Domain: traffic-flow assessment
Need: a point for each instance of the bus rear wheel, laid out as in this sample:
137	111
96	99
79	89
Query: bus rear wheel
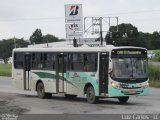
41	91
123	99
91	98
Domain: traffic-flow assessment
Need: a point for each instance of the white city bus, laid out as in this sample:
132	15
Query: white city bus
108	71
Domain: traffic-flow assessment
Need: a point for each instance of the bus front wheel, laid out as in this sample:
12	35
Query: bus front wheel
91	98
41	91
123	99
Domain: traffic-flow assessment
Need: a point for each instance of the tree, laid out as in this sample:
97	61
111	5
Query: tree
50	38
8	45
127	35
156	40
36	37
6	49
147	39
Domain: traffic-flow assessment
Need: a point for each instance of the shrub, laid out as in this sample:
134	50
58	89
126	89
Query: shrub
154	75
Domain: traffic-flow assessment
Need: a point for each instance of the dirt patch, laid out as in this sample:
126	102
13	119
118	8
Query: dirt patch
2	103
7	105
7	109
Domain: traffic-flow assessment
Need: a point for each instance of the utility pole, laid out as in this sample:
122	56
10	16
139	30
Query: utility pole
14	42
101	34
47	42
117	23
97	24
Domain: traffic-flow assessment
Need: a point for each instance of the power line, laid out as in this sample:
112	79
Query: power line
58	18
31	19
132	12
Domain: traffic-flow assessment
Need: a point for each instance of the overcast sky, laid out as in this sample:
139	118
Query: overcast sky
20	18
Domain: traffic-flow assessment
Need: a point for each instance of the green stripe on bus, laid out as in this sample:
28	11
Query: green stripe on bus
45	75
52	76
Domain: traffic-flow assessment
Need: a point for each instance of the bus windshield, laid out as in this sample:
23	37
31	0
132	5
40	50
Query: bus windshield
129	68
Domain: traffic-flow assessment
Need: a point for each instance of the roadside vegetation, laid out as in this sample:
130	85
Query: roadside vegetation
154	75
157	55
5	69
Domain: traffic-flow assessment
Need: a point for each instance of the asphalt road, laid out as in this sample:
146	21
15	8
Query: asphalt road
19	102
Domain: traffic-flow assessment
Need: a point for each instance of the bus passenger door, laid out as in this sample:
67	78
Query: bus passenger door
103	72
26	69
60	73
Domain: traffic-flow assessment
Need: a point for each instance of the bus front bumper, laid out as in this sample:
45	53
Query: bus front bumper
116	92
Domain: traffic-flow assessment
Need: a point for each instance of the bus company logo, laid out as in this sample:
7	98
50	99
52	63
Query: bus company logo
74	10
76	74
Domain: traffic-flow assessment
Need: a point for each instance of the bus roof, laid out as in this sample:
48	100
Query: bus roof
75	49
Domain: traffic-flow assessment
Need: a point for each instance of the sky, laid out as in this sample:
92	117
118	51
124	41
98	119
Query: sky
20	18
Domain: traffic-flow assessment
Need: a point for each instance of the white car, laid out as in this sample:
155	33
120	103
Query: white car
10	60
150	55
1	61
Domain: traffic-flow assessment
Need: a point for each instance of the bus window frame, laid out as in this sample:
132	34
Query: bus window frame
70	61
14	61
43	60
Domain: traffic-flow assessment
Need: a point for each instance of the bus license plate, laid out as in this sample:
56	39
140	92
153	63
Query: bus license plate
132	91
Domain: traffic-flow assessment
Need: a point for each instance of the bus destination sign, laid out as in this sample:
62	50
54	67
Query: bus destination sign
129	52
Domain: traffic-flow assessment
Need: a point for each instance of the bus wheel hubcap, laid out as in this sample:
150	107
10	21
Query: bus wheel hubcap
40	90
90	94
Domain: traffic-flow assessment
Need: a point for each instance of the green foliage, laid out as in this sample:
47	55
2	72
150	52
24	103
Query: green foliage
50	38
124	29
8	45
146	38
154	75
156	40
155	83
128	35
36	37
5	69
157	55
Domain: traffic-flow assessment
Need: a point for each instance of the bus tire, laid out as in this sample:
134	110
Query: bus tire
41	91
90	93
123	99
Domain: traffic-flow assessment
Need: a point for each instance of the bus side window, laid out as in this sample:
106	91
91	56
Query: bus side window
85	62
33	59
76	61
53	61
37	62
49	61
90	62
70	65
18	60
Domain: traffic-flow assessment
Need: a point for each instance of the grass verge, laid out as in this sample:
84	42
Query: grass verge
154	84
154	75
5	69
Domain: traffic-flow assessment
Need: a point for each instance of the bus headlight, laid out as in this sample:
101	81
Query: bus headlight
115	85
145	86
